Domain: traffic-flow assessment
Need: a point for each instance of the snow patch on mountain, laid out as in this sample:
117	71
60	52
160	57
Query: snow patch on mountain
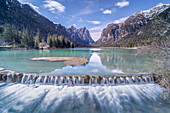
154	11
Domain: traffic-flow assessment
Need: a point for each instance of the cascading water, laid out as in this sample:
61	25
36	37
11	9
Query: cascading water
21	98
96	94
80	80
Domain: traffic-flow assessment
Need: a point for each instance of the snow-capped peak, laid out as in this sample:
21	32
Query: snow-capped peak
72	27
154	11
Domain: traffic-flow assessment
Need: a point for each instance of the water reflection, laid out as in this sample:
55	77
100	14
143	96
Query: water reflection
127	61
101	61
98	65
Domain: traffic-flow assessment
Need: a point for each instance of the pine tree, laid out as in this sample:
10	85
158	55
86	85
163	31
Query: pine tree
53	41
31	41
67	42
37	40
49	40
8	33
38	36
61	40
25	38
72	45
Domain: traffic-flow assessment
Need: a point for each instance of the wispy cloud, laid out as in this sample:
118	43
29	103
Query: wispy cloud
98	28
120	20
54	6
94	22
122	4
89	9
107	12
35	8
80	20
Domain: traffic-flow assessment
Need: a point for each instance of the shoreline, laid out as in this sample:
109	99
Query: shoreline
140	47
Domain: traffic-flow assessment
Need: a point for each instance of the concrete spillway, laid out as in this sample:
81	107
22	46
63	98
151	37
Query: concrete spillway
75	80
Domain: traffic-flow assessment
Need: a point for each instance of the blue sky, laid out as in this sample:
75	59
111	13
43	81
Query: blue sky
93	14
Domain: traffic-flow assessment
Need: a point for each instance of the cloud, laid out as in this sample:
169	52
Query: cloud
98	28
120	20
94	22
35	8
122	4
74	25
101	9
54	6
90	8
107	12
80	20
95	35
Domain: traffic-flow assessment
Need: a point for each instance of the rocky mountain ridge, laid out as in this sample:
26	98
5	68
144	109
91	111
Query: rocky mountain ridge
24	16
134	30
81	33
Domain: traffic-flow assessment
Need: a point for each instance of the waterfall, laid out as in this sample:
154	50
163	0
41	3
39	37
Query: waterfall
38	81
90	81
80	80
122	80
129	80
45	80
118	80
23	79
116	33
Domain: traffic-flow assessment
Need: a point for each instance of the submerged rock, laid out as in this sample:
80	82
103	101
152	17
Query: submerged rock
67	60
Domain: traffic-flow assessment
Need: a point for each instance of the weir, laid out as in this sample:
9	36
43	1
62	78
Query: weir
9	77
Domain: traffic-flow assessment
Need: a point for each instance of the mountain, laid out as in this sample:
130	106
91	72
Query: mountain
24	16
139	29
81	35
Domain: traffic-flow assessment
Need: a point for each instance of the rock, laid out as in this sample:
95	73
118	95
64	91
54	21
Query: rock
67	60
19	77
86	79
81	35
99	78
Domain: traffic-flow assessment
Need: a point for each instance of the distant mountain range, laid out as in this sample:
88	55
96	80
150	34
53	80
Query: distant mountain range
23	16
139	29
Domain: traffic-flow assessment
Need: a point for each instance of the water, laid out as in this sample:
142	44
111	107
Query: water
18	98
101	61
54	94
83	80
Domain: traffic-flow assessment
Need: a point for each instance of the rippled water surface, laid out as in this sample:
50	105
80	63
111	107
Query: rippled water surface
101	61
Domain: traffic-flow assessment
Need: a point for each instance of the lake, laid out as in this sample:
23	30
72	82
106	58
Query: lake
48	98
105	61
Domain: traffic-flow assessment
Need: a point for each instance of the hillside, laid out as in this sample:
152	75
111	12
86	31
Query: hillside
23	16
139	29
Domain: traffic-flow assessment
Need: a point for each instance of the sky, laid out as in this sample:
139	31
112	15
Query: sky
92	14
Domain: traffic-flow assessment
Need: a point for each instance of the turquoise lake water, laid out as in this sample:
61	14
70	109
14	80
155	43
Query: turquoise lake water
37	98
110	61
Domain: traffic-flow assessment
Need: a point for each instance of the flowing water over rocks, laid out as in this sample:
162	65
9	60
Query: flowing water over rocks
19	98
